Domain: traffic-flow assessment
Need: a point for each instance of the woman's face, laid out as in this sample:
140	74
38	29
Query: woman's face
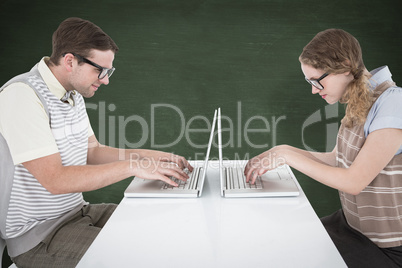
334	84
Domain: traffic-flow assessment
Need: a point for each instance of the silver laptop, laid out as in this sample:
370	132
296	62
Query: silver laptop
191	188
275	183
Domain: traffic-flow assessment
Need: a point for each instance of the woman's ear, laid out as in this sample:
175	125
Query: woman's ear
347	73
348	63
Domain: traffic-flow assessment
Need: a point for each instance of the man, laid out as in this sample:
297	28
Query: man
56	155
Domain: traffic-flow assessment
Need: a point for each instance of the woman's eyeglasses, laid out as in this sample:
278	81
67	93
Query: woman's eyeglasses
316	82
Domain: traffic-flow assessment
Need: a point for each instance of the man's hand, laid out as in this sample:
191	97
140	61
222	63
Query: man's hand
159	156
150	168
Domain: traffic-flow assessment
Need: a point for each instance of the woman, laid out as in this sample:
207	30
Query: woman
366	164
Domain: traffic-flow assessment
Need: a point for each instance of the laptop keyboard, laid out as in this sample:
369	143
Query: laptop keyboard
190	184
235	179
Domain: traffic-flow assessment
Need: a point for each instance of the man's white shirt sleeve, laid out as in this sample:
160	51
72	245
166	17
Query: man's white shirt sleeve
24	124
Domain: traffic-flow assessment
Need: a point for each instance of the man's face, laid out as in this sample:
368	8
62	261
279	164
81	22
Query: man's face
84	78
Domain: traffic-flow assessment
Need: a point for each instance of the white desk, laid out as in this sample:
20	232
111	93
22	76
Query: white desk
212	231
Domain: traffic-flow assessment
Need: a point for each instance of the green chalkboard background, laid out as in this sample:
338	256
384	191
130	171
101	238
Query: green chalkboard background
179	60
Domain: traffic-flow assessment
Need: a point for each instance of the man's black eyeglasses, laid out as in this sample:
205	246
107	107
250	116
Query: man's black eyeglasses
316	82
103	71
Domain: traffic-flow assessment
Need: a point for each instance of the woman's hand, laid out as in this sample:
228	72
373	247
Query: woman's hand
264	162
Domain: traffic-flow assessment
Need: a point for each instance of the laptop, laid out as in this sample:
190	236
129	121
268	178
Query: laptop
279	182
191	188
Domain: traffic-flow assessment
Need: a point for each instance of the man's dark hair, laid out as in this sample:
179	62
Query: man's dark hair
79	36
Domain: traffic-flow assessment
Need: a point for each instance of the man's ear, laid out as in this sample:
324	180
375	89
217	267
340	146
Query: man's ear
67	62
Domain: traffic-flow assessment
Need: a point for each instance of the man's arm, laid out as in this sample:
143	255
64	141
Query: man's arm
101	154
104	168
59	179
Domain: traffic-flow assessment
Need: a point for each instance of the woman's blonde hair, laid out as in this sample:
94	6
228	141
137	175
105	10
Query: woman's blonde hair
336	51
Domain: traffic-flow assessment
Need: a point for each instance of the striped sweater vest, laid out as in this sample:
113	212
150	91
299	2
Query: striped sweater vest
28	203
377	210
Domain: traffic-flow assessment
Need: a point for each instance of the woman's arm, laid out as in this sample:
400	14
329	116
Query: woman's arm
324	158
377	151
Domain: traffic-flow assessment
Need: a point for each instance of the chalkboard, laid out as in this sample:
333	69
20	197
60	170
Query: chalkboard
180	60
